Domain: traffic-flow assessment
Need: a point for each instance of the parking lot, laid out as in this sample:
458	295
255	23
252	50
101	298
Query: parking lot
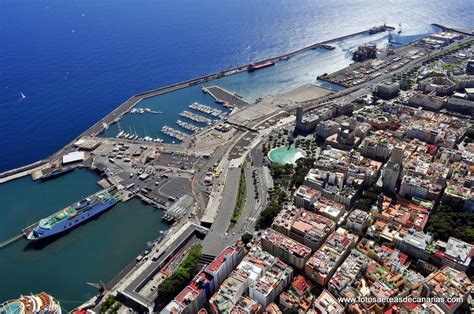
176	161
161	181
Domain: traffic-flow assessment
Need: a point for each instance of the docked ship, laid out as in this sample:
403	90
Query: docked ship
377	29
257	66
323	46
73	215
56	173
37	303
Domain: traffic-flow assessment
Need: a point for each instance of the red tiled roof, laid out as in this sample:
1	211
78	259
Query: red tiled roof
219	260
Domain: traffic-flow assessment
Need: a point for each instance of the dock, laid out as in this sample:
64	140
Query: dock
24	233
188	126
195	117
11	240
222	96
206	109
171	132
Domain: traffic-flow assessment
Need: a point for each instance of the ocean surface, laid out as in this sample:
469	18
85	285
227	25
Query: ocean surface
94	251
77	60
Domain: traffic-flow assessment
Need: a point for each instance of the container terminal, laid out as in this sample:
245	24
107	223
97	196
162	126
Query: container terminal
195	180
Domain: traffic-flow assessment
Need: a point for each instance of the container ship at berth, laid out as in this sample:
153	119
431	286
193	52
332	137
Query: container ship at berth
257	66
73	215
38	303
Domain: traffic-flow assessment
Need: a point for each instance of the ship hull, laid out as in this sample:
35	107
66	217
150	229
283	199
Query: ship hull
259	66
39	233
56	174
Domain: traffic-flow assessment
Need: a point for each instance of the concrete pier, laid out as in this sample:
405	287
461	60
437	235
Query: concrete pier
220	95
24	233
11	240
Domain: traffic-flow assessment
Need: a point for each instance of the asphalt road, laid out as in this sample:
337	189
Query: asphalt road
216	240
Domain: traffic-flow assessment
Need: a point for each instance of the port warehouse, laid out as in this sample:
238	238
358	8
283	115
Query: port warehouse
132	292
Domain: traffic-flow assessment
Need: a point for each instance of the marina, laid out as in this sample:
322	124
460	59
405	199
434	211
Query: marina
143	110
131	136
195	117
173	133
188	126
206	109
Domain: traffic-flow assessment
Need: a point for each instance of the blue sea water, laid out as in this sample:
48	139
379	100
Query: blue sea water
94	251
76	60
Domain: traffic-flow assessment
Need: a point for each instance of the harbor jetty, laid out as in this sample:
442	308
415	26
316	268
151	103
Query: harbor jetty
222	96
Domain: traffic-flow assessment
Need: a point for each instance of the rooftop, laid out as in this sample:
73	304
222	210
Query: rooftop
405	212
327	303
216	264
286	243
448	283
459	251
329	254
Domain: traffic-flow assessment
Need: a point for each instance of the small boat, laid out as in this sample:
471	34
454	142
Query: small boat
22	95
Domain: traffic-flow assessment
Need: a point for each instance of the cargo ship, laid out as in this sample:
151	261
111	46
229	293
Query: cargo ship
37	303
73	215
257	66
